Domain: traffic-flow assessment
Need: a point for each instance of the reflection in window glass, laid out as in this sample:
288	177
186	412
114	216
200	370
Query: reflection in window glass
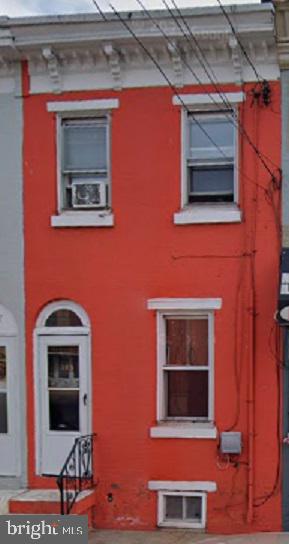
211	133
63	367
3	367
63	318
63	387
187	342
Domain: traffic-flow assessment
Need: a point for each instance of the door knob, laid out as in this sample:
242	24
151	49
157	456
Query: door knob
84	398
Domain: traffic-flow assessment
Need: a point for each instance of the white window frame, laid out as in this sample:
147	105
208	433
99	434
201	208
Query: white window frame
80	109
206	212
175	427
104	120
180	523
162	368
205	159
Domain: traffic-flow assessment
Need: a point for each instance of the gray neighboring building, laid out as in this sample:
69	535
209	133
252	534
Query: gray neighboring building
12	328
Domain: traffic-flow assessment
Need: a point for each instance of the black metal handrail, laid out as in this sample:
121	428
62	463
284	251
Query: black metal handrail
77	473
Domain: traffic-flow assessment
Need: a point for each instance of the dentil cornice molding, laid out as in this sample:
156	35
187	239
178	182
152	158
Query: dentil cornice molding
80	52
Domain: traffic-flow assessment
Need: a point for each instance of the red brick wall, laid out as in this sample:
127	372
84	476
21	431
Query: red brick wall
112	272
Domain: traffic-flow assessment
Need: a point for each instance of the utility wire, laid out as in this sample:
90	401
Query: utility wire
163	73
226	15
155	62
213	79
204	63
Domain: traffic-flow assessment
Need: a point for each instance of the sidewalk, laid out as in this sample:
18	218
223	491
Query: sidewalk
167	536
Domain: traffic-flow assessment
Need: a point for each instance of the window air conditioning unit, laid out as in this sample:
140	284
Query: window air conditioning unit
88	194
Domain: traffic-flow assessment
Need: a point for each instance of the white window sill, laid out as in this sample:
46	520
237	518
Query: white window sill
208	213
94	218
180	429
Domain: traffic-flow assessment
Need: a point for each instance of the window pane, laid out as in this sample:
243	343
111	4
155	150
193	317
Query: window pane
187	341
210	131
3	368
63	318
63	366
173	507
84	146
64	410
193	508
187	393
215	183
3	413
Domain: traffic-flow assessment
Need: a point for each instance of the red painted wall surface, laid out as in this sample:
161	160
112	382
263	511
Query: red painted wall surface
112	272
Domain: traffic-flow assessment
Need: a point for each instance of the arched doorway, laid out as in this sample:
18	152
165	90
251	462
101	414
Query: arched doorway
62	382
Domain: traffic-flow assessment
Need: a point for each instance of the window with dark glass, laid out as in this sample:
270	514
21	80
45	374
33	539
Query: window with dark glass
3	391
183	508
63	318
186	368
63	388
211	157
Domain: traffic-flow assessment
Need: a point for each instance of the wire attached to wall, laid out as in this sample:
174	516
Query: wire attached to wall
162	72
202	59
226	15
269	191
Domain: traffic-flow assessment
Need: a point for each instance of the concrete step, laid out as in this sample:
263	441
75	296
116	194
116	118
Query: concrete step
47	501
5	496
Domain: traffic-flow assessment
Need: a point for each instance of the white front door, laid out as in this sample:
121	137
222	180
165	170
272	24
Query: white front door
63	398
9	450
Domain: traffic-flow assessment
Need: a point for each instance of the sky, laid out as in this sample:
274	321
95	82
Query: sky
22	8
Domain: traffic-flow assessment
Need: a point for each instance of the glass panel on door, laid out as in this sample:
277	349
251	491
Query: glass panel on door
3	391
63	388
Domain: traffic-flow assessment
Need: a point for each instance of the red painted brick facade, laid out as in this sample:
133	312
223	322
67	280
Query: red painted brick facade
112	272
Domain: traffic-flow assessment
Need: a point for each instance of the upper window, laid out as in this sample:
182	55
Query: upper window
83	158
210	157
209	162
85	163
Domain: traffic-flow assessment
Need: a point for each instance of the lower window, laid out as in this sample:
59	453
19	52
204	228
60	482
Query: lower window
185	367
184	510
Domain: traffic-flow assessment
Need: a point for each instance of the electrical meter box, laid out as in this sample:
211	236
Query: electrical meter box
231	442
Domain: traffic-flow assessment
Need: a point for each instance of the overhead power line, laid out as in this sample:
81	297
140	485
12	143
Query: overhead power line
162	72
226	15
213	79
172	86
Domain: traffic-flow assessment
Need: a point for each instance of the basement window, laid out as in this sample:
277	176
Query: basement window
182	510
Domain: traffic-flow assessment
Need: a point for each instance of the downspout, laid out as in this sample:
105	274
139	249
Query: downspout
252	339
251	401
